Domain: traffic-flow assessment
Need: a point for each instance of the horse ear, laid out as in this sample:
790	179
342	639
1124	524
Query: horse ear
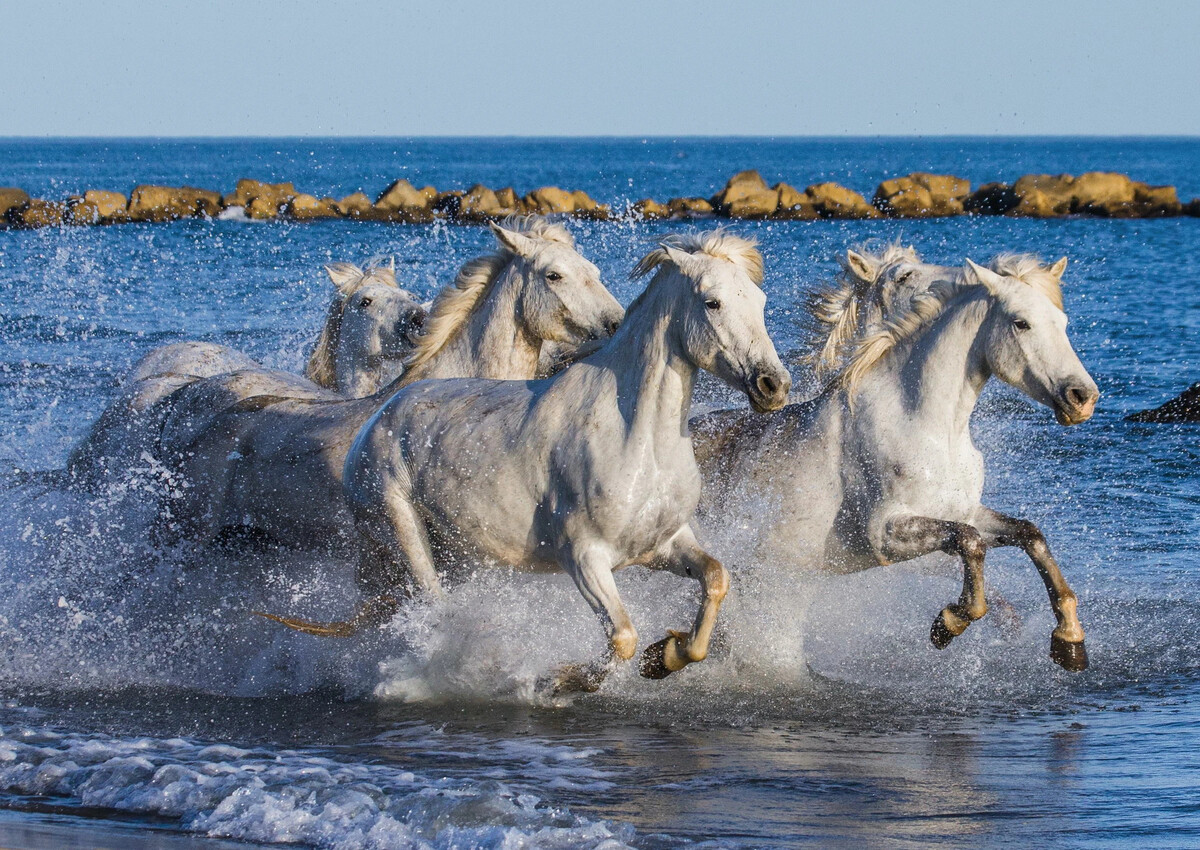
685	261
985	277
861	266
518	243
1058	268
343	275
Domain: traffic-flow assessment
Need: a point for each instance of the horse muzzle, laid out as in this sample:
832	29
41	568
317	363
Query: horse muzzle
768	390
1076	405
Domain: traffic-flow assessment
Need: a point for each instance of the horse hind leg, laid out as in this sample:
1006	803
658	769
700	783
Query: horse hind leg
912	536
1067	647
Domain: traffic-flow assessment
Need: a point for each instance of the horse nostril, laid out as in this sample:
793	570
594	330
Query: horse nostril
611	326
1079	396
418	320
767	385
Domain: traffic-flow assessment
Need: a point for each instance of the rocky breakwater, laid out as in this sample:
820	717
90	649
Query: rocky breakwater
1185	407
746	195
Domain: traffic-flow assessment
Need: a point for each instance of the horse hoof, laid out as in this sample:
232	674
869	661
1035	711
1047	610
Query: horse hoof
1069	655
574	679
939	635
653	663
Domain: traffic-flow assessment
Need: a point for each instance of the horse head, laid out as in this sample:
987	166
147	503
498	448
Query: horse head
1025	339
561	298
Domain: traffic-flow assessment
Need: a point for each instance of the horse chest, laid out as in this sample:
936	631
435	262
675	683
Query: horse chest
647	498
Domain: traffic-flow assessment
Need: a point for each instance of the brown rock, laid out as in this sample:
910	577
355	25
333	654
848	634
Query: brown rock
1043	195
689	208
1192	208
922	195
508	200
37	213
1156	201
403	196
549	199
832	200
991	199
309	208
746	195
1102	193
794	204
585	207
166	203
247	190
480	203
648	208
98	207
10	197
356	205
943	187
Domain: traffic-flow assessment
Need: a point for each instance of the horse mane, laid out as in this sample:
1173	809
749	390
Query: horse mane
455	304
320	368
719	244
833	311
868	350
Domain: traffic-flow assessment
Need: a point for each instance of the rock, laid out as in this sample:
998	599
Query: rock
356	205
448	203
585	207
403	197
746	195
1043	195
10	197
1192	208
508	200
1156	201
832	200
689	208
309	208
648	208
1102	193
37	213
1185	407
794	204
480	203
247	190
922	195
98	207
167	203
991	199
547	200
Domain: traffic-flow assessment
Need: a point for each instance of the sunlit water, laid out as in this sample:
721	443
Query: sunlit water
138	690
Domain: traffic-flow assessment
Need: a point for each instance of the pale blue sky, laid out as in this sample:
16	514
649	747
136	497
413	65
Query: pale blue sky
606	67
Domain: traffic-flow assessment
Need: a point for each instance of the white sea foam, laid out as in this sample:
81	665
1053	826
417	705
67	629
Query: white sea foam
281	796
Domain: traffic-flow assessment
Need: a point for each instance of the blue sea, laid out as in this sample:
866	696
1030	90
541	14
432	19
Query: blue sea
142	706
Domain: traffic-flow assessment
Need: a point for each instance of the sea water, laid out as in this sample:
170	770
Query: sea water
139	696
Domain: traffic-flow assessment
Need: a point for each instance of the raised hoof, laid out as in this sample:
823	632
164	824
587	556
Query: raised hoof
1068	655
939	635
653	663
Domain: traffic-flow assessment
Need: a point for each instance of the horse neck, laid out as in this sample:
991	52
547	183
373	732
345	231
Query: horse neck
358	375
654	379
493	342
941	373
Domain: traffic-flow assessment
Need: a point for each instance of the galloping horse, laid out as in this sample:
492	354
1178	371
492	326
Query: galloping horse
274	463
881	467
588	471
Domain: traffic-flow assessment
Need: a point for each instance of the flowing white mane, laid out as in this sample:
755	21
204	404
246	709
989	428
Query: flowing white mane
866	351
454	304
320	369
720	244
834	310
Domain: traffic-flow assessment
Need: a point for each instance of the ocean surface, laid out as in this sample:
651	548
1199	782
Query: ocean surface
142	706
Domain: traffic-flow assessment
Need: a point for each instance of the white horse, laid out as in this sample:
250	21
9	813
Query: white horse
881	467
371	326
274	463
588	472
371	322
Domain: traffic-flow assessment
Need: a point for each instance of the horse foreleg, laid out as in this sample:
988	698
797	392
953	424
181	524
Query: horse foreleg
1066	641
913	536
592	570
679	649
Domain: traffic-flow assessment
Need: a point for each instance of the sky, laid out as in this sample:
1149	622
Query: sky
606	67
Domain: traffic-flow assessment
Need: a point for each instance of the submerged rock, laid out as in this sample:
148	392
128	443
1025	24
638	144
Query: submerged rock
1185	407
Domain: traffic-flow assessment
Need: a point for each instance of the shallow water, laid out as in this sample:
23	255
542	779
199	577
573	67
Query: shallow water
138	691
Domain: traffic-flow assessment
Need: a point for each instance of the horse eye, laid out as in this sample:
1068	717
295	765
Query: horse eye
1021	324
712	304
365	302
905	276
553	276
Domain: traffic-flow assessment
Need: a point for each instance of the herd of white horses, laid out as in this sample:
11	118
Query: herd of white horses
526	420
